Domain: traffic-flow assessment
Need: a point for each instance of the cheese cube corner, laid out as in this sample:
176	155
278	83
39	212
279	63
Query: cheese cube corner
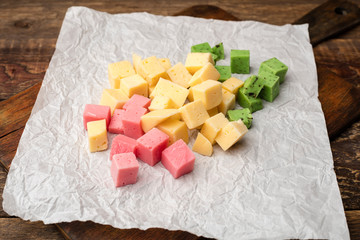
114	98
202	145
153	118
194	114
179	75
230	134
161	102
213	125
119	70
233	84
175	129
124	169
153	70
209	93
175	92
178	159
134	84
227	102
93	112
122	144
208	71
195	61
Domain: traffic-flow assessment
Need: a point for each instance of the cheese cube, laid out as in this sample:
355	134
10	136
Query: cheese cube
132	121
179	75
175	92
202	47
213	125
253	86
134	84
119	70
97	135
165	62
213	111
209	93
232	85
195	61
150	146
194	114
274	66
161	102
178	159
240	61
218	49
93	112
137	100
241	114
151	89
124	169
175	129
227	102
116	125
122	144
153	70
114	98
208	71
230	134
202	145
271	86
153	118
139	68
254	104
225	72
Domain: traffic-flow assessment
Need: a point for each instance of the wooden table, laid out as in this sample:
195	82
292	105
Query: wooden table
28	33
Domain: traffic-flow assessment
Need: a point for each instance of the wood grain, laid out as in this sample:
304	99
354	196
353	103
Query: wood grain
330	19
3	175
27	230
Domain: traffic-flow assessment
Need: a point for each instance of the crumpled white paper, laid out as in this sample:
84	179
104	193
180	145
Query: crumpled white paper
277	182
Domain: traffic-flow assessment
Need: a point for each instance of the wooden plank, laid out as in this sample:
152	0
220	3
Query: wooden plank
9	145
353	220
346	153
15	111
3	175
16	228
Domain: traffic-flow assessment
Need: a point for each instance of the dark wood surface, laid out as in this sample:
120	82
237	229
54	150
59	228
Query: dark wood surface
28	32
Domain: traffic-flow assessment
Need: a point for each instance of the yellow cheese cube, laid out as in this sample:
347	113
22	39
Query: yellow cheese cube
175	129
205	73
232	85
209	93
161	102
179	75
195	61
175	92
153	70
151	119
119	70
137	62
230	134
202	145
190	95
114	98
228	101
134	84
213	111
151	89
97	135
194	114
165	62
213	125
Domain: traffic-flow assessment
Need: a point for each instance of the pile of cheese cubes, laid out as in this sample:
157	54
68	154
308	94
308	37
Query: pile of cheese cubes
151	105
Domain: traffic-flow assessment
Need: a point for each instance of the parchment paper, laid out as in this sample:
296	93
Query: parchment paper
277	182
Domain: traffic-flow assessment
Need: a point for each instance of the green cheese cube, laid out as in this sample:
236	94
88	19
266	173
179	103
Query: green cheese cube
253	86
275	67
240	61
271	86
202	47
215	57
219	51
225	72
254	104
243	114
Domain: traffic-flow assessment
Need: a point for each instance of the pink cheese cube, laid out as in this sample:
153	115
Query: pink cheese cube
124	169
132	123
150	146
178	159
137	100
116	125
122	144
93	112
